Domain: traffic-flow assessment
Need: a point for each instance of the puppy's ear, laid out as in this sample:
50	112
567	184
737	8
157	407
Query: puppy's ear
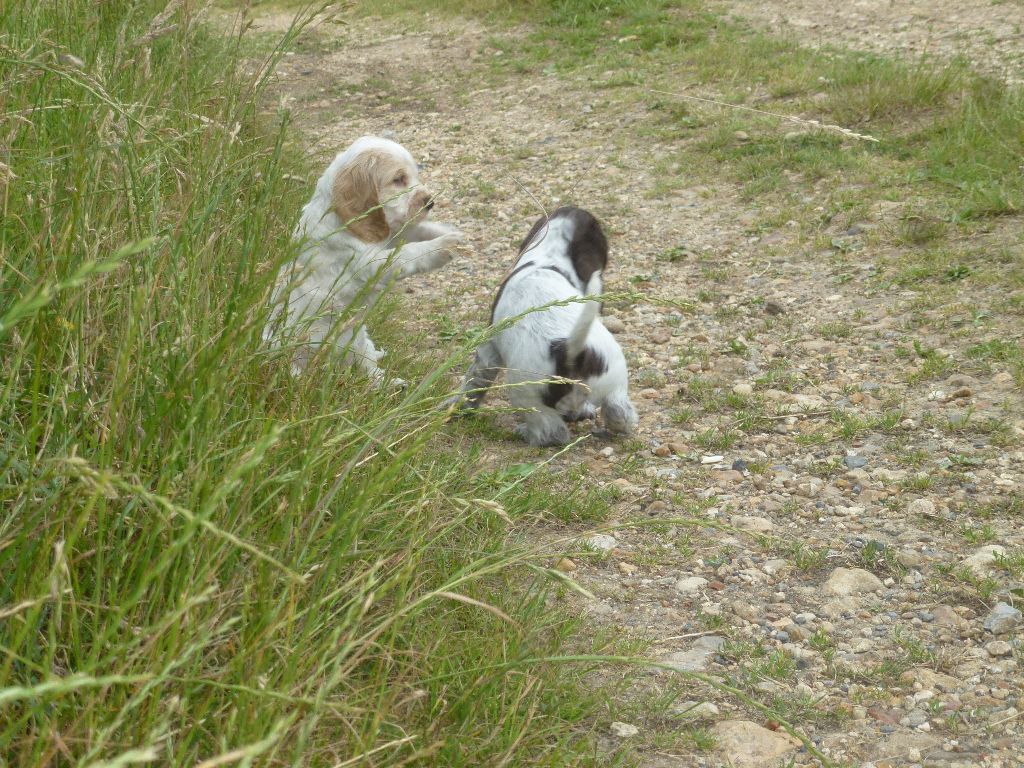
355	199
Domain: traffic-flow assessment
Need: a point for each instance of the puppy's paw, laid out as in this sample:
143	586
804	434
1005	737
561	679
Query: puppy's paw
446	247
585	412
383	383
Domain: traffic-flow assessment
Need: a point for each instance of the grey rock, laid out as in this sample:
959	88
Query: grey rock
852	581
699	655
1002	619
916	717
854	462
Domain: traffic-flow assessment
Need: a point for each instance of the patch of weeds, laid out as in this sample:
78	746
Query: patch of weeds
912	458
808	439
806	709
451	329
978	534
918	482
681	416
673	255
962	580
879	559
976	148
805	557
839	329
752	420
996	350
704	393
702	739
850	424
1012	563
915	651
781	376
710	622
1008	506
934	365
716	439
761	161
869	88
957	272
919	229
823	643
737	346
777	665
743	650
649	377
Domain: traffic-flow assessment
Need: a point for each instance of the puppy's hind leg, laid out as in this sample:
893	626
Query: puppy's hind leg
361	348
544	426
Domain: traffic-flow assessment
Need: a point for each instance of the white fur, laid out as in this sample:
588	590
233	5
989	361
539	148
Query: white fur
336	271
524	349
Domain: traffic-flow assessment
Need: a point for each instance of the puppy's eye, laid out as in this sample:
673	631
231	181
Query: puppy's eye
400	180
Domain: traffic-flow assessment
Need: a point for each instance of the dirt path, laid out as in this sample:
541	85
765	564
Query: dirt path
989	35
852	574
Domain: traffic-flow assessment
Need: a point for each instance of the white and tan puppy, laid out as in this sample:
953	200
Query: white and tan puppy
560	362
364	227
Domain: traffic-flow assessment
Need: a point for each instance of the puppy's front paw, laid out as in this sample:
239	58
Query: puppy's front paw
446	246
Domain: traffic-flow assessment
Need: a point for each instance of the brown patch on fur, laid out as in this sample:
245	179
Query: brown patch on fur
355	197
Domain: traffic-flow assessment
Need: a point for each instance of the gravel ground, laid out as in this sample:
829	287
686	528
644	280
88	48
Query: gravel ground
871	559
987	33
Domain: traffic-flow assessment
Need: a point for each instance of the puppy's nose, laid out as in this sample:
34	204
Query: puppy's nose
430	203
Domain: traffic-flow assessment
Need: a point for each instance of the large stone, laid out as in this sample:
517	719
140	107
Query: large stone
743	744
982	562
613	324
602	542
946	616
623	730
698	657
852	581
931	680
838	608
998	648
922	507
1002	619
751	523
690	584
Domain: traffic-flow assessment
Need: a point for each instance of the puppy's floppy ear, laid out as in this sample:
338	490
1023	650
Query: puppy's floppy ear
354	195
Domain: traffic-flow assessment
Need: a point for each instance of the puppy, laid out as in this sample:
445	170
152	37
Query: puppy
561	258
364	227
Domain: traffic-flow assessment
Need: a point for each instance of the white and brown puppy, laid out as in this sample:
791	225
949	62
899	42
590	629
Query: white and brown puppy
364	227
561	258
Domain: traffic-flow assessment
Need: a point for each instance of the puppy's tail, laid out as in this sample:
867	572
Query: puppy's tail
577	340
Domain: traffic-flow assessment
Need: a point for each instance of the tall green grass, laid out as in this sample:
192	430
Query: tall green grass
203	560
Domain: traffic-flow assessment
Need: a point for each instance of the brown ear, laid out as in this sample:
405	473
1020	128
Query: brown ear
355	200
